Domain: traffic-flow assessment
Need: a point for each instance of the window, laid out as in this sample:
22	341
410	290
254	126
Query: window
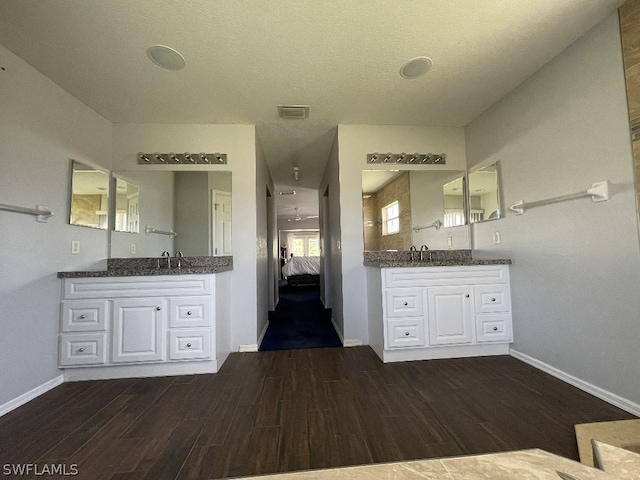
304	244
391	218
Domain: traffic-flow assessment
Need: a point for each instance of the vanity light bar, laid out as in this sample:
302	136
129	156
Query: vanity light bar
408	158
182	158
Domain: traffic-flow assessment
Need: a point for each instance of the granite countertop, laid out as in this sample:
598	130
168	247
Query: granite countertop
433	258
532	464
130	267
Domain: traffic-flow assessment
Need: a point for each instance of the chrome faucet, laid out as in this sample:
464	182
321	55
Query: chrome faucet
423	249
179	255
412	251
168	255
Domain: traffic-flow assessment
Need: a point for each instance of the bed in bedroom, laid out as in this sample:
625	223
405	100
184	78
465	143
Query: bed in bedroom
302	271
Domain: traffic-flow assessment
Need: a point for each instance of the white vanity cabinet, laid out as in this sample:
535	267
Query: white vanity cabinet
127	322
439	312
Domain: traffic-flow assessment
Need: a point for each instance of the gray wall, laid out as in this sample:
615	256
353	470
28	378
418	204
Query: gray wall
266	254
576	264
41	128
192	213
330	238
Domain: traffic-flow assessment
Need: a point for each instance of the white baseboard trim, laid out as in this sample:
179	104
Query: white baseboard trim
253	347
335	327
355	342
30	395
264	332
601	393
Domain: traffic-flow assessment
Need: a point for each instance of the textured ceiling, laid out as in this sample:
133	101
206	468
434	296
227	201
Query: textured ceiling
244	57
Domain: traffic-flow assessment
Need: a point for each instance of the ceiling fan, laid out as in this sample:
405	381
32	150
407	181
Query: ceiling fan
297	218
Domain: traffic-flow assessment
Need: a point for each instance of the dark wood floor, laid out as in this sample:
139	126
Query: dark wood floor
279	411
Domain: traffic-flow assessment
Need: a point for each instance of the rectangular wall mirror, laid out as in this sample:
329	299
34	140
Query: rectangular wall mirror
193	205
484	194
89	196
404	208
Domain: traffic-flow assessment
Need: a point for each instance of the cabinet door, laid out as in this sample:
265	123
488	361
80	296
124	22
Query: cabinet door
449	315
138	326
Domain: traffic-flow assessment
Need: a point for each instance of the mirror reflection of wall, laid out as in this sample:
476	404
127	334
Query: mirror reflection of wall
387	210
183	202
453	197
484	194
89	206
421	202
127	217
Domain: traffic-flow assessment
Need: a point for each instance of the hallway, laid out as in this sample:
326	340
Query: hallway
299	321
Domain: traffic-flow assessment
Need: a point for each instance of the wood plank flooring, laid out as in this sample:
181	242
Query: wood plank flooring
278	411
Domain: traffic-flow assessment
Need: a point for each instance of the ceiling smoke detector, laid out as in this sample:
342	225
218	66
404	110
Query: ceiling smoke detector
293	111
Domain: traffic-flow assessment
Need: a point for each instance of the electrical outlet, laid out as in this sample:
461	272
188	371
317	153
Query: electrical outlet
449	241
75	247
133	248
497	238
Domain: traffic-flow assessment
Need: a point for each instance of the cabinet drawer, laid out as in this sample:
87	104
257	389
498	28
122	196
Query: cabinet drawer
494	328
189	343
84	316
403	302
408	332
83	349
190	312
492	298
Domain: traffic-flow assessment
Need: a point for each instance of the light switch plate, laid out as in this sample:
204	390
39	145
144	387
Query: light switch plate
133	248
75	247
497	238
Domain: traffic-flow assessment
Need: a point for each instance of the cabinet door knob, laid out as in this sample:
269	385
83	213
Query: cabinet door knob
405	304
495	329
158	308
467	295
81	349
493	299
189	312
82	317
406	334
188	345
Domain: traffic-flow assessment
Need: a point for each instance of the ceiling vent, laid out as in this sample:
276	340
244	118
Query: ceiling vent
293	111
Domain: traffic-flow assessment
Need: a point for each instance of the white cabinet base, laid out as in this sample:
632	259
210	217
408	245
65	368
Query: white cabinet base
433	353
424	313
192	367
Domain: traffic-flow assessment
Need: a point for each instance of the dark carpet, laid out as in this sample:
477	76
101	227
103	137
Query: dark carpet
300	321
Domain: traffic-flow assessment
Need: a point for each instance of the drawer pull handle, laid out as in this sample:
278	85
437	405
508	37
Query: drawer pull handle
406	334
495	329
188	345
158	308
81	349
189	312
405	304
82	317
